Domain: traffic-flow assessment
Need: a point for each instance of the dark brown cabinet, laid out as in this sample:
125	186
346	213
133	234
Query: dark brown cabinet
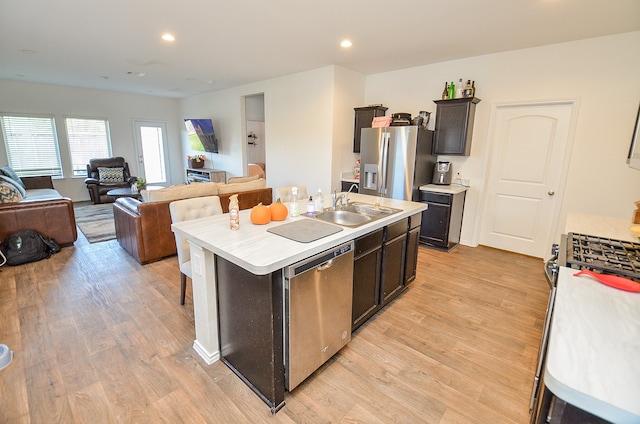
393	260
413	237
442	220
364	117
454	126
346	185
366	277
384	263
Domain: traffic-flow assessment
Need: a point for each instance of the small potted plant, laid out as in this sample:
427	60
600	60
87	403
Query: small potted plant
196	161
138	184
141	183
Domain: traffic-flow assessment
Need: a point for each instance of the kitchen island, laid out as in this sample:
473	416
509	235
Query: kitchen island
246	267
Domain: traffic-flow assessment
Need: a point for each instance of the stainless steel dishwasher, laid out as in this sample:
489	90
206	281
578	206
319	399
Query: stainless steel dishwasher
318	302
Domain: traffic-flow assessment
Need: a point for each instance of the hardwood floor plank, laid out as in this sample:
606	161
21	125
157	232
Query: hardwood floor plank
176	407
72	357
46	392
127	398
14	393
99	338
92	406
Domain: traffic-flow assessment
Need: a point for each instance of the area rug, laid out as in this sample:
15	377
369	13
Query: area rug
96	222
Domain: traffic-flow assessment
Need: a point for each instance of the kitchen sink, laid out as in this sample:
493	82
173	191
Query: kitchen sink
356	214
344	217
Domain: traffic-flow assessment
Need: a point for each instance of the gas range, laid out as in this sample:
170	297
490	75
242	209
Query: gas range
581	252
598	254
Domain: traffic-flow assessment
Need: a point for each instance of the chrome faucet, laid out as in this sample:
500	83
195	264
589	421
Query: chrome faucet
336	198
341	199
346	197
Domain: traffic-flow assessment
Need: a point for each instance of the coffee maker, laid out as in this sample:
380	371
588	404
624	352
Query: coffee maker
442	173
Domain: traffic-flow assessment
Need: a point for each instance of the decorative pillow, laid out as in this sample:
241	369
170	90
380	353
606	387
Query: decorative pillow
9	172
9	193
17	185
243	179
111	175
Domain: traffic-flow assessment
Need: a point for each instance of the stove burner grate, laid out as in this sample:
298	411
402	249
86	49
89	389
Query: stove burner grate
604	255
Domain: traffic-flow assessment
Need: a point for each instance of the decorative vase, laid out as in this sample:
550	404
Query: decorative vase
195	164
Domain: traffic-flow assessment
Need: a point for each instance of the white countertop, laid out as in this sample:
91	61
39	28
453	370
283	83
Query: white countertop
448	189
593	360
349	177
261	252
602	226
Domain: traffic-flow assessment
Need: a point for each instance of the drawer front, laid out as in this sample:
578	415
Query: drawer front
397	228
428	196
369	242
415	221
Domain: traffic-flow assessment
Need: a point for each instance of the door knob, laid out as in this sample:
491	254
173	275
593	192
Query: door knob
551	193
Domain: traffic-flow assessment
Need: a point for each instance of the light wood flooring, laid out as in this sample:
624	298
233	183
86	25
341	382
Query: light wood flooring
99	338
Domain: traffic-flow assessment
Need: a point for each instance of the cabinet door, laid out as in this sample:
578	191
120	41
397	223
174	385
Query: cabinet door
412	255
393	261
454	126
366	287
435	225
346	185
363	119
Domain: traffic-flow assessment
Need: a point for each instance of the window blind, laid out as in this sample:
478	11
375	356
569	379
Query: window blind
32	145
88	139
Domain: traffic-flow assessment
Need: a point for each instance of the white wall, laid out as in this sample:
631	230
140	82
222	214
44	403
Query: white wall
299	124
601	73
348	93
120	109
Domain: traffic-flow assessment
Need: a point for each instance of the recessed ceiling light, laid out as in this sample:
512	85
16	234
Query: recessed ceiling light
345	43
28	51
168	37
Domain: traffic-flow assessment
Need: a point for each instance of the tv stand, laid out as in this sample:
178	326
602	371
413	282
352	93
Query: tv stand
205	175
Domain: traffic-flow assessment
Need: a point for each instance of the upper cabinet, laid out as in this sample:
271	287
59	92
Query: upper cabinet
364	118
454	126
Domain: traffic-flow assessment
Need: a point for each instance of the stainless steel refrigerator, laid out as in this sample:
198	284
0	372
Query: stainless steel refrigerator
396	161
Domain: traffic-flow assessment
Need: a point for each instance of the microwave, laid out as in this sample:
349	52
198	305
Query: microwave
634	151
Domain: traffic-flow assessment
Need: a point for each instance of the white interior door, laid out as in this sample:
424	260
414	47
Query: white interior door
151	148
526	176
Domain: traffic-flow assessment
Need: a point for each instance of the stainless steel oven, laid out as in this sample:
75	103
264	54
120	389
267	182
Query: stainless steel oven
536	405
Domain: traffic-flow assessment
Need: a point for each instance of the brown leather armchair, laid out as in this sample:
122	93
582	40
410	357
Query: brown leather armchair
97	187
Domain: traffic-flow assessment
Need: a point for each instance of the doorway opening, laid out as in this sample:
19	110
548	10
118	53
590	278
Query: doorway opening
151	148
256	163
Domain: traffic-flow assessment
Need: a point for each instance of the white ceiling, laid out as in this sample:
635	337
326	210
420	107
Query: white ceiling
220	44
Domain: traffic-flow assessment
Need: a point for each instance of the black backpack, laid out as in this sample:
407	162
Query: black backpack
27	246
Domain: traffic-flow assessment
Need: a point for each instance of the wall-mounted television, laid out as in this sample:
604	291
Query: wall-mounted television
202	136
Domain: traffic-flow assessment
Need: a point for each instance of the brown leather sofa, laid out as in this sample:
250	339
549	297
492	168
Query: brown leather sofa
43	210
144	228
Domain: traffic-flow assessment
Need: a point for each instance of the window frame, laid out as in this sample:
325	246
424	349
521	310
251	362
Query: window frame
17	160
81	172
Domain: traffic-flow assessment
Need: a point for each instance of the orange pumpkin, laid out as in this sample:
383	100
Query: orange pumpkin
260	214
279	211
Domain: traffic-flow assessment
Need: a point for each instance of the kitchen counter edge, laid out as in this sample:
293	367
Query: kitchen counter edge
260	252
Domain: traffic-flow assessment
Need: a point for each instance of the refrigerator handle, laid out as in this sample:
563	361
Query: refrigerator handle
383	163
